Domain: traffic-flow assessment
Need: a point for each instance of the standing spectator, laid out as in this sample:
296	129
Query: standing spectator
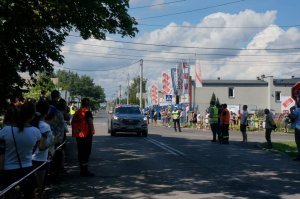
225	119
152	114
83	130
147	113
163	116
20	138
213	120
269	126
58	129
199	120
155	116
244	123
40	155
206	120
175	117
295	118
286	121
169	116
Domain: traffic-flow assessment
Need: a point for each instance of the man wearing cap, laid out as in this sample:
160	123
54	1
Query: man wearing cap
175	117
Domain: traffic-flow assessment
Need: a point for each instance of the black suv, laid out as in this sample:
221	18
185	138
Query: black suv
127	118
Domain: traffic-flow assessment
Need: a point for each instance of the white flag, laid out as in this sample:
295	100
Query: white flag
198	77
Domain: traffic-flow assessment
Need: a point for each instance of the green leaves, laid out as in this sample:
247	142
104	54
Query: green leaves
32	34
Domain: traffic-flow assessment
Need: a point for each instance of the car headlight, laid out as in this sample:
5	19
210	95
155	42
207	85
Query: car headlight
115	117
145	118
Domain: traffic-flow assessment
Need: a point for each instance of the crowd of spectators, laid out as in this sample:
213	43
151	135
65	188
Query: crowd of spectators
33	139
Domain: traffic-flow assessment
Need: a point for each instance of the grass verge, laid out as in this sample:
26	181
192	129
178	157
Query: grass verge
288	147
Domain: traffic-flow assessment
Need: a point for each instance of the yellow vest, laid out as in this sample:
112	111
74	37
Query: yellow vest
175	114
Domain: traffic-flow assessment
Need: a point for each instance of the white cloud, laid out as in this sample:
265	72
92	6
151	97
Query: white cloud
222	62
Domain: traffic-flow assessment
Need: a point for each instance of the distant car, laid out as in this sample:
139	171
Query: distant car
127	118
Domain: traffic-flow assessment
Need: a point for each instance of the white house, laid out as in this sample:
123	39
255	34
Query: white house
264	92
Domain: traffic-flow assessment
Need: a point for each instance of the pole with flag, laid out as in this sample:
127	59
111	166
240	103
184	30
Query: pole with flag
198	77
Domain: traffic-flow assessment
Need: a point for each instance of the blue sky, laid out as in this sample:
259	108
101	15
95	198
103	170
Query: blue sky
235	52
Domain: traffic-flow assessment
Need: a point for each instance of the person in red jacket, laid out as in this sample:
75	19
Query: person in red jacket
83	130
225	119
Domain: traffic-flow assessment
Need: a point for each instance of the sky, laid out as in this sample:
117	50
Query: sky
232	39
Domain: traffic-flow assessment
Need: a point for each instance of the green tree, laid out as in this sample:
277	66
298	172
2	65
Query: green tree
43	82
134	89
81	86
33	32
213	98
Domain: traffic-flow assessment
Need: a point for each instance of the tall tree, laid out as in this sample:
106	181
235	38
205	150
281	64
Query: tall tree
134	89
43	82
32	33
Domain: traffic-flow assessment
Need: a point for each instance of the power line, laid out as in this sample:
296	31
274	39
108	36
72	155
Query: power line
199	9
220	27
93	70
158	58
195	47
176	52
159	4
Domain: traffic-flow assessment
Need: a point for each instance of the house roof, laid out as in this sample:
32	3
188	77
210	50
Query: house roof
234	82
277	82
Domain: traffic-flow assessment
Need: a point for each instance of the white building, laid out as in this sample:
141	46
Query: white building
265	92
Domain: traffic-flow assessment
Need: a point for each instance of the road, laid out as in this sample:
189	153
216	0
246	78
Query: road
183	165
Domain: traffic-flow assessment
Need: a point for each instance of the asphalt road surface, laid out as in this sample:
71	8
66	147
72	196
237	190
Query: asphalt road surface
182	165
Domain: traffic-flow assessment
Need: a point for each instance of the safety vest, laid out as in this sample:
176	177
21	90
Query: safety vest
175	115
225	118
215	116
80	126
72	110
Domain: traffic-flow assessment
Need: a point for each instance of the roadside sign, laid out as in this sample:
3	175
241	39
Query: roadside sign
286	103
169	98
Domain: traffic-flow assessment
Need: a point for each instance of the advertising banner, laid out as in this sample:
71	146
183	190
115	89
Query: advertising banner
174	80
198	77
185	77
179	79
166	83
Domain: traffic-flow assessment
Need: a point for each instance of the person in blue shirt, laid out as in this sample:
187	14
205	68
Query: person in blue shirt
295	118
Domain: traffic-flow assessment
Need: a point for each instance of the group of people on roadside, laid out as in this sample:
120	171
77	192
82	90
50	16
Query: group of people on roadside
219	118
33	133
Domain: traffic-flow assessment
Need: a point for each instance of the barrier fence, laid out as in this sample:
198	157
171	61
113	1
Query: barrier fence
5	190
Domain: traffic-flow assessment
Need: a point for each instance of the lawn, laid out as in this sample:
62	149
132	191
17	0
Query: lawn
288	147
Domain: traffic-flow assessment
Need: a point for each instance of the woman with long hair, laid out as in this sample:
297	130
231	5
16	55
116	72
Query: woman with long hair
20	138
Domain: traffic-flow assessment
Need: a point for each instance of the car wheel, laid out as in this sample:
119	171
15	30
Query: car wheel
139	133
145	133
113	133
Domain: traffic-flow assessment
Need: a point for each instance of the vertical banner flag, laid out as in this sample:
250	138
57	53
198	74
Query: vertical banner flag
174	80
198	77
186	77
179	79
166	83
149	97
154	94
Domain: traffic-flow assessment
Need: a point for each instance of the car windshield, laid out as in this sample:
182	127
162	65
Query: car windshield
127	110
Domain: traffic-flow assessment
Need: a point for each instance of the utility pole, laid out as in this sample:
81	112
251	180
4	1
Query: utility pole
141	83
128	88
120	93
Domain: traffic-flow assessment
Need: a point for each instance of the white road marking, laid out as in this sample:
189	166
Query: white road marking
165	147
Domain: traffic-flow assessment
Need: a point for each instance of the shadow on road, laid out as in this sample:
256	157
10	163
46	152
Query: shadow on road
206	170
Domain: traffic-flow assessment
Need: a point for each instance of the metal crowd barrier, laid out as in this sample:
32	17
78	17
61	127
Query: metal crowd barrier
2	192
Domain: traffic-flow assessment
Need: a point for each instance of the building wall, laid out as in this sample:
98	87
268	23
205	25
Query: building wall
256	97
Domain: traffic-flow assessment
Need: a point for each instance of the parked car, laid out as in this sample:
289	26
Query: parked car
127	118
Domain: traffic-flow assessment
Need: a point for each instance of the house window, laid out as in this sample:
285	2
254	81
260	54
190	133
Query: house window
277	96
231	92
